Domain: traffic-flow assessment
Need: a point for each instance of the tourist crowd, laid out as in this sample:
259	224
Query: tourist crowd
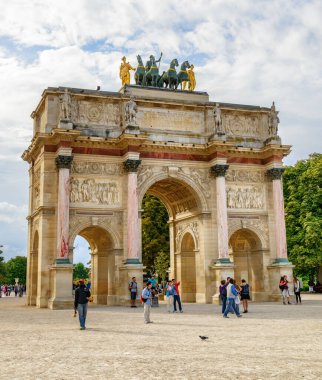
17	289
231	294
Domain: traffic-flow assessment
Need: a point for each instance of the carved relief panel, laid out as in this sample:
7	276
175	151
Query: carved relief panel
245	197
36	189
245	125
98	113
89	190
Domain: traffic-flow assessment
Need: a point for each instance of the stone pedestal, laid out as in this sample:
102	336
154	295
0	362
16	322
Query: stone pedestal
128	271
276	271
222	269
61	279
66	124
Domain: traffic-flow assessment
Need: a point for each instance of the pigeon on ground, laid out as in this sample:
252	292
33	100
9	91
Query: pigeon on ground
203	337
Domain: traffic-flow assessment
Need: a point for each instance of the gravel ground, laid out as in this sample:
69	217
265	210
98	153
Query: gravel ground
271	341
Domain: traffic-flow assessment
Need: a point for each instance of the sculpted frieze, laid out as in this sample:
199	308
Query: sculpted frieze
84	167
249	125
245	197
96	113
94	191
244	175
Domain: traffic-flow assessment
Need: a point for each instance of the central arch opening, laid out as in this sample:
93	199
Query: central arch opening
169	205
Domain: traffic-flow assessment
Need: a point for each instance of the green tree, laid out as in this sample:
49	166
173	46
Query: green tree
16	268
80	271
155	232
161	264
303	206
2	268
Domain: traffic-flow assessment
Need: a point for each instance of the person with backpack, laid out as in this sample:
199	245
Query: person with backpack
147	302
297	290
81	303
284	289
231	295
244	295
223	295
133	288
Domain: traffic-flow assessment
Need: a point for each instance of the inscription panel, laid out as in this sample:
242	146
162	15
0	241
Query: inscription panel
158	118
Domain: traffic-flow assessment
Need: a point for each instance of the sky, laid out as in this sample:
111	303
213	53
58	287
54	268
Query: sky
246	52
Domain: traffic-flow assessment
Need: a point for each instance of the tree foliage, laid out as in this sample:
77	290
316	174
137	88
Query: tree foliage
161	264
303	206
16	268
80	271
155	234
2	268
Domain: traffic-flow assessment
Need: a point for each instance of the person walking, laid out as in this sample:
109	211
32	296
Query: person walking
169	295
284	289
297	290
133	288
244	295
147	301
81	303
223	295
176	296
231	295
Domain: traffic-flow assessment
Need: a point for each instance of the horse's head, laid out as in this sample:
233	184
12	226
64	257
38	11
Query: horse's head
139	60
185	65
174	62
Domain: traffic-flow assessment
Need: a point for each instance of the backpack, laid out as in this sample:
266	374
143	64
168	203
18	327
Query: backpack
224	292
281	287
130	285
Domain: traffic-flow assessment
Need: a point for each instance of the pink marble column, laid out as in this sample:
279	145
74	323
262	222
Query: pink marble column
63	164
132	212
222	219
278	203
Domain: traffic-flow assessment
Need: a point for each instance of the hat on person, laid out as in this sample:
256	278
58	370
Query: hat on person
81	280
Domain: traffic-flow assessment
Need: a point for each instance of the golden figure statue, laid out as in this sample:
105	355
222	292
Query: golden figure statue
192	79
125	71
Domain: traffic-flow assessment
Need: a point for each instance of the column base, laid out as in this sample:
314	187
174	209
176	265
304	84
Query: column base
61	287
224	261
131	268
282	261
132	262
276	271
62	261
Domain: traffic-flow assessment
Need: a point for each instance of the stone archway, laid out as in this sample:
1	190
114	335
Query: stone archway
248	256
102	263
186	268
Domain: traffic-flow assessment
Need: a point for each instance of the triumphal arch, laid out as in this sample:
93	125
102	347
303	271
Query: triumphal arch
216	166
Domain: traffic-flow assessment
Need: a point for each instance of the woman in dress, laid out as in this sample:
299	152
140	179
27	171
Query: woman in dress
245	297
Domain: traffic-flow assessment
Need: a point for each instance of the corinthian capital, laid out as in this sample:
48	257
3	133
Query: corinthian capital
131	166
64	162
219	170
275	173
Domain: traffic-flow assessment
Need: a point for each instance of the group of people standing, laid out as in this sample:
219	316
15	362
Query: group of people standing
231	294
6	290
284	288
172	293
